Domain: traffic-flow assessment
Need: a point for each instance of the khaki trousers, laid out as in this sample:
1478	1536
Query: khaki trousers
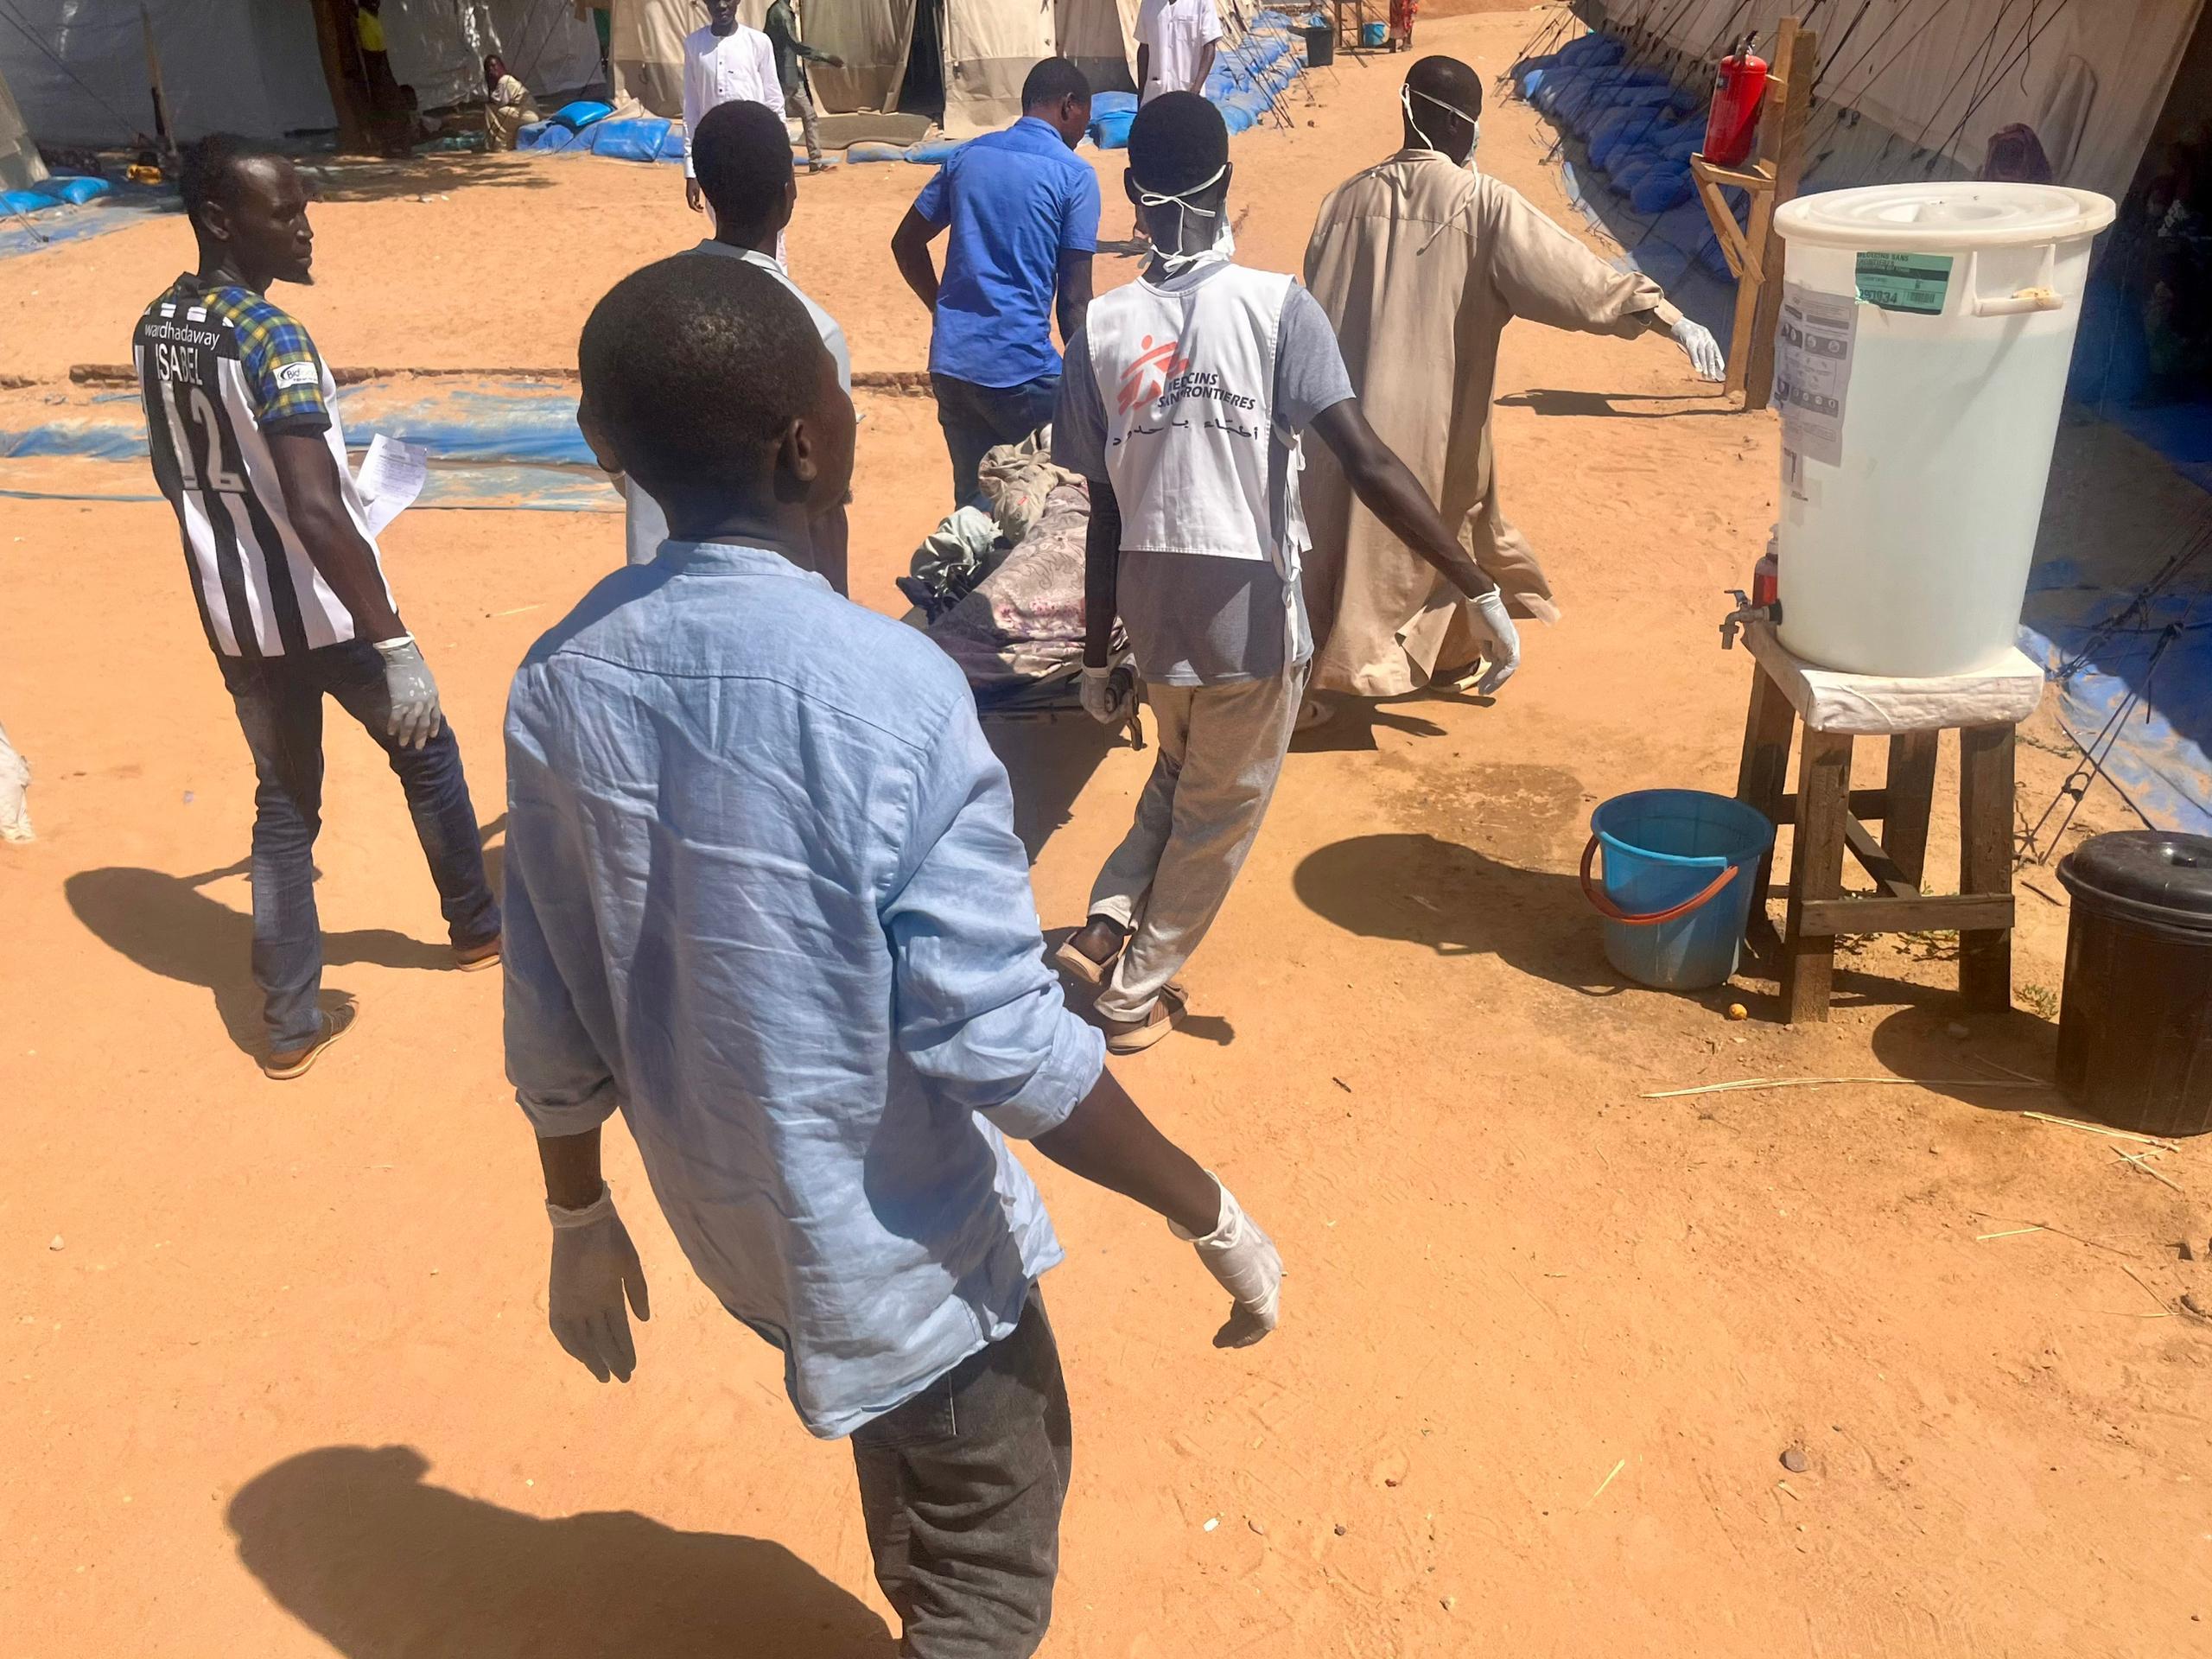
1221	750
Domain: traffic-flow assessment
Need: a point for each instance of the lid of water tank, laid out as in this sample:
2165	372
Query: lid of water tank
1940	217
2163	873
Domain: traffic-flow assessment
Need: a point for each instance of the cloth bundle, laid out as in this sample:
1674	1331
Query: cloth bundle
1023	620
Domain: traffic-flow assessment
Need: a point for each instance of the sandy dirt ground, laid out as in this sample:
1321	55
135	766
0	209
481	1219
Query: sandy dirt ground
276	1378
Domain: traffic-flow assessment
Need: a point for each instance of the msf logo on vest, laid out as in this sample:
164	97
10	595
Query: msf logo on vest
1145	380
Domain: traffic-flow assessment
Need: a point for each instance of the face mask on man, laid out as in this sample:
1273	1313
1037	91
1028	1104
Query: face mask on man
1224	240
1406	96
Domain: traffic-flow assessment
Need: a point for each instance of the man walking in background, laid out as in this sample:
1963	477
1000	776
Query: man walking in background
241	423
723	62
1023	211
744	156
1176	43
1420	263
792	56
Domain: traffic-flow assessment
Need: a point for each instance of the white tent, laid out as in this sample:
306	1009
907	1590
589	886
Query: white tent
19	165
1100	37
971	55
1910	86
254	66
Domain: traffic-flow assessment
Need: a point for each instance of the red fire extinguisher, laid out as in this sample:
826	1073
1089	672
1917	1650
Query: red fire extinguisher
1738	91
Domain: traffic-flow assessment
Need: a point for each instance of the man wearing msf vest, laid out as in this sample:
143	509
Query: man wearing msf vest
1182	403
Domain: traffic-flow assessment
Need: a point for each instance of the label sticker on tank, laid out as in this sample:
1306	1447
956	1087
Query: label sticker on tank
1812	371
1905	281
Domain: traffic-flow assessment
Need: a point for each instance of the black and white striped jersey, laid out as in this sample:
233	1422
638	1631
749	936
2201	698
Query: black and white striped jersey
221	370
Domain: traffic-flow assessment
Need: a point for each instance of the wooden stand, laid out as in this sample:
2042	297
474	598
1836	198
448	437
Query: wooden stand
1754	252
1829	816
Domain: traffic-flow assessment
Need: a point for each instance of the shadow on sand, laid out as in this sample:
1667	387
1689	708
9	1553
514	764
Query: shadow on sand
351	1541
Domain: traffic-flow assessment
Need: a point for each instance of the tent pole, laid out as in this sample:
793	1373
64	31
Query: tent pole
163	135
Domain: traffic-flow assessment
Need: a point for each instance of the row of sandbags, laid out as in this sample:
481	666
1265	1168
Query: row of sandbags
1639	131
1248	78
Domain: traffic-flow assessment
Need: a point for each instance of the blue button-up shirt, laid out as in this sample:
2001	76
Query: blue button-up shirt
1016	201
764	896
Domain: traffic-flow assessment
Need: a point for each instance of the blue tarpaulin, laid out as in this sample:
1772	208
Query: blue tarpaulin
503	444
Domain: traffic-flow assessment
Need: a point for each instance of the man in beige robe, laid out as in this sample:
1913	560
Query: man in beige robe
1420	263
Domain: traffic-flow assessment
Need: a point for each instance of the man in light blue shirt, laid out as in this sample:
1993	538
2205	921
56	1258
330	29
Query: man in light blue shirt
1023	211
766	899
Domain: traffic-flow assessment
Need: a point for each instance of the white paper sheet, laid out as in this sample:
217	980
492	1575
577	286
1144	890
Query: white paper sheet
391	476
1812	377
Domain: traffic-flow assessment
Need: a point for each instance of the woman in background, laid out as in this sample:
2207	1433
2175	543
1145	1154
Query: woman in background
510	109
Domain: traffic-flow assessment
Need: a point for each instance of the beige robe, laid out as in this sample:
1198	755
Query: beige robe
1419	266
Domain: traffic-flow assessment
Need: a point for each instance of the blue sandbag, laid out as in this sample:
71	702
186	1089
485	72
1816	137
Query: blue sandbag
1530	81
1113	103
1665	186
1109	130
1616	128
671	144
932	152
1236	119
1592	48
1628	170
580	114
635	140
873	151
78	191
26	201
534	136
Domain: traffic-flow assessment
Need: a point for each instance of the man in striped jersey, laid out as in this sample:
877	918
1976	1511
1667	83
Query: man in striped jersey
246	446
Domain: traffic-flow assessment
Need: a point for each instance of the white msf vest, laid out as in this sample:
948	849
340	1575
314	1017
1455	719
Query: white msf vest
1187	376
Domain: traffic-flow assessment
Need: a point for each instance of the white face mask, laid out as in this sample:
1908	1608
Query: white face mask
1224	240
1406	96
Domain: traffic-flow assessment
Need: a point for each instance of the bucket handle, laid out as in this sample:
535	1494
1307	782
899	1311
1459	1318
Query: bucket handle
2042	295
1613	912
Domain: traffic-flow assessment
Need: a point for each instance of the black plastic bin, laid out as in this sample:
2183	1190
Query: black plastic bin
2135	1029
1320	46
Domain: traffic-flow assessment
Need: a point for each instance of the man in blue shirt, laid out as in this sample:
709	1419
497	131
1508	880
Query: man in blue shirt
766	899
1023	211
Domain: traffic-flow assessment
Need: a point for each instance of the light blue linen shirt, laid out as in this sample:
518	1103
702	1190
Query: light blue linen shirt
764	896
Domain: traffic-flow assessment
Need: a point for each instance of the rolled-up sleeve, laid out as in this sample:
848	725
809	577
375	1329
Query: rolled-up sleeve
561	1081
975	1008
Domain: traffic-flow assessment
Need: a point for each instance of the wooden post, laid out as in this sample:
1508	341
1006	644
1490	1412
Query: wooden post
1911	797
342	73
1986	860
1754	251
1763	780
1815	872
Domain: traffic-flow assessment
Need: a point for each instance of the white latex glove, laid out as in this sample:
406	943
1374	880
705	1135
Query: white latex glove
593	1265
1108	694
415	718
1246	1265
1505	640
1701	348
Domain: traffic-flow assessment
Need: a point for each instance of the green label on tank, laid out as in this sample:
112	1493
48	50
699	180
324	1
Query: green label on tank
1905	281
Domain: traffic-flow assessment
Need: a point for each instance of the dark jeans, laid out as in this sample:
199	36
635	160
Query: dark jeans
962	1488
280	705
977	419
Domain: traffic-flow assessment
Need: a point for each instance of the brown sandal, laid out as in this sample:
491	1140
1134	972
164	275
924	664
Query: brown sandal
1166	1015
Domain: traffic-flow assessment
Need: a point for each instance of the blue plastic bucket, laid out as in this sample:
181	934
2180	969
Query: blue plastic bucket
1680	868
1375	34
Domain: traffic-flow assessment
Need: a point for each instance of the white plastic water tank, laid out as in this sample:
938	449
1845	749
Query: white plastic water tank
1925	333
